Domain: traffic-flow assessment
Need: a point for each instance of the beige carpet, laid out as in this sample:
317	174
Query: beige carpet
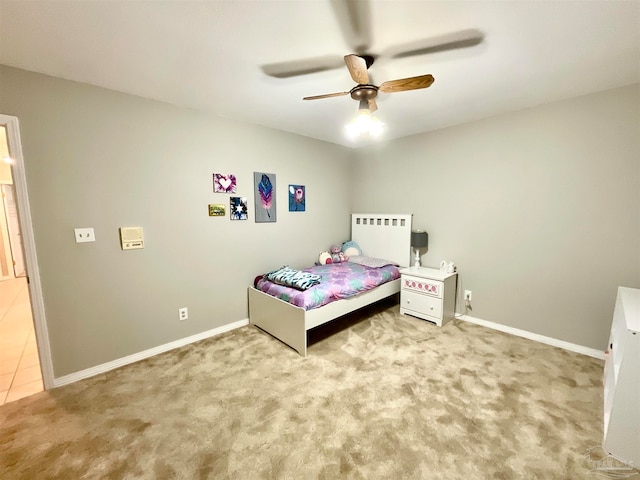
381	396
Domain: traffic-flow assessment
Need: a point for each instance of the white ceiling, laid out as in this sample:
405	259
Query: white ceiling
207	55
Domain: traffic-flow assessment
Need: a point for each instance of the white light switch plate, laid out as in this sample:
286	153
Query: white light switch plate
84	235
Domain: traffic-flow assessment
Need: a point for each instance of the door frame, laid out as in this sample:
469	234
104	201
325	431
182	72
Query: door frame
28	242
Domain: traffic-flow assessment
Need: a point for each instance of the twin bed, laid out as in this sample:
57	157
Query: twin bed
381	236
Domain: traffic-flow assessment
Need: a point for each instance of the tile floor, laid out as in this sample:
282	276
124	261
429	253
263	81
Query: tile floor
20	373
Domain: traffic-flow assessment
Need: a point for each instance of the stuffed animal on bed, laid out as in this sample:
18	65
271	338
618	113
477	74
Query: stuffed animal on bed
351	249
324	258
334	255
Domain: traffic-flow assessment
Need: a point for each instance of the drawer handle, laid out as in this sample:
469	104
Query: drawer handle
430	308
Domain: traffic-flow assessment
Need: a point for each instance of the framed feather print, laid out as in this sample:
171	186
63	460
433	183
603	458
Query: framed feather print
265	196
297	198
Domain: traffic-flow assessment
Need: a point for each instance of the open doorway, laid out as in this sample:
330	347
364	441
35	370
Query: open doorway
20	366
12	258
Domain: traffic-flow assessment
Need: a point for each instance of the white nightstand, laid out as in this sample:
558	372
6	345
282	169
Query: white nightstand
428	293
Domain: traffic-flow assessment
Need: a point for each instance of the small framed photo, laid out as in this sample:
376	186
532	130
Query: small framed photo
223	183
238	208
297	198
217	210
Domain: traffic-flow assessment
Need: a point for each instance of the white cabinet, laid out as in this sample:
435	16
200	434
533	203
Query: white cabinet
622	379
428	293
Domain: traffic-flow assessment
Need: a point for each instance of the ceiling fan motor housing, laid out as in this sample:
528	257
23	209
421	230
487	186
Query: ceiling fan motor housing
364	92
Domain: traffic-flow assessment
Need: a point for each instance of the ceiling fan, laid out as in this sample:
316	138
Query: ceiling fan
366	92
354	19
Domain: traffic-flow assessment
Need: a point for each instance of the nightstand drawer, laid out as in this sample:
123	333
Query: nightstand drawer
422	285
421	303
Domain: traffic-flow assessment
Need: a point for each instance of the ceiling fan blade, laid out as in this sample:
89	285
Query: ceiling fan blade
326	95
357	68
449	41
354	18
302	67
373	106
411	83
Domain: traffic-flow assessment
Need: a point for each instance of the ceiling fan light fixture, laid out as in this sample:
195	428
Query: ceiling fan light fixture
364	125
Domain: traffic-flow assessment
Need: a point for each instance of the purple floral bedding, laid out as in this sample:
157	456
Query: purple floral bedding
337	281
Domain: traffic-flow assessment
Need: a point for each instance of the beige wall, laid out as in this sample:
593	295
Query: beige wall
101	159
539	209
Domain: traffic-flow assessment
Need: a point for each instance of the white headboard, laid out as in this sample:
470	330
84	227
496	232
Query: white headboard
383	235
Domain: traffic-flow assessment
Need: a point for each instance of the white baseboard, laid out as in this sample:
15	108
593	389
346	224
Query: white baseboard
136	357
591	352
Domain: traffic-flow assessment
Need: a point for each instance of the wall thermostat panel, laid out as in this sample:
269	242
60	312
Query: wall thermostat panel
131	237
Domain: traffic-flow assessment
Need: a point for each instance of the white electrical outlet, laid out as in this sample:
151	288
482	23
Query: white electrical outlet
467	295
84	235
183	313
